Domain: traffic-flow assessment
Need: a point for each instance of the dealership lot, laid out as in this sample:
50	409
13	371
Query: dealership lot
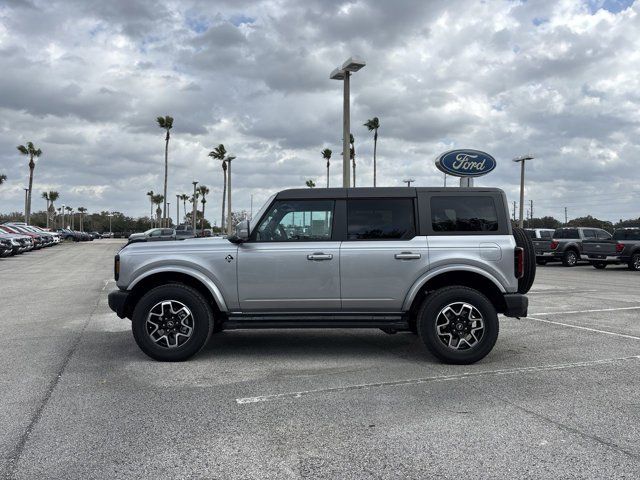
559	395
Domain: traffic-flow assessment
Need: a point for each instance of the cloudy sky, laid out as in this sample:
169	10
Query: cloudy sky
84	80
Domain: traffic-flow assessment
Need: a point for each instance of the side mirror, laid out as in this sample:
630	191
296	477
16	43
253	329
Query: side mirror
242	232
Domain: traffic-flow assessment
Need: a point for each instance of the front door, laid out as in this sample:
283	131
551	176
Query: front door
382	256
291	262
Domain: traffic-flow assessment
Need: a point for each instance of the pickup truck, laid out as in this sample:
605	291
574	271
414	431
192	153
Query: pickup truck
541	238
623	247
566	244
441	263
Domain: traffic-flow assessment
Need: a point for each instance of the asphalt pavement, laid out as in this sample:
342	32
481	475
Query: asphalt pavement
559	396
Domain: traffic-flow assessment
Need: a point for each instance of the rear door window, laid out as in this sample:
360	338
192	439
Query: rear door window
380	219
566	233
463	214
589	234
546	235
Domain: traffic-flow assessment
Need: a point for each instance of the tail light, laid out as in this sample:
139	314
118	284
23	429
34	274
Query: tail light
619	247
518	262
116	268
554	244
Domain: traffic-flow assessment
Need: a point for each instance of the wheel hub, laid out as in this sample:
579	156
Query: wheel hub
169	324
460	326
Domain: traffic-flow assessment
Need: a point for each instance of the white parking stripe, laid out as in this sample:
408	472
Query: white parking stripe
584	328
588	311
437	378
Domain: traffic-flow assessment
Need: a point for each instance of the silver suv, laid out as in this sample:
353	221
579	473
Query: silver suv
438	262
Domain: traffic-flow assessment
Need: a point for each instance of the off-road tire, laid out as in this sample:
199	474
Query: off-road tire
202	322
427	321
529	274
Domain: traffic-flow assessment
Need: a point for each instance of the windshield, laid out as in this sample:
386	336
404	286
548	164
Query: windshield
627	234
260	212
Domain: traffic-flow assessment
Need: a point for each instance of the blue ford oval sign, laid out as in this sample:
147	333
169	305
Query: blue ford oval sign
465	163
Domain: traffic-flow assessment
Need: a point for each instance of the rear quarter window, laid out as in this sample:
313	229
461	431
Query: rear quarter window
463	214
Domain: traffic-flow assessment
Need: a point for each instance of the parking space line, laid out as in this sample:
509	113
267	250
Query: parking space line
584	328
437	378
587	311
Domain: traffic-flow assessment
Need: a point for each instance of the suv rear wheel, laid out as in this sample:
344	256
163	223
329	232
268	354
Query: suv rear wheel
529	274
570	258
458	324
172	322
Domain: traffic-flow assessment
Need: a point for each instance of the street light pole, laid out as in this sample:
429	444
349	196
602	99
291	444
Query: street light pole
195	206
352	64
177	210
522	159
409	181
346	132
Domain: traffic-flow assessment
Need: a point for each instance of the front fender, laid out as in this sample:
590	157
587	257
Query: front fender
192	272
423	279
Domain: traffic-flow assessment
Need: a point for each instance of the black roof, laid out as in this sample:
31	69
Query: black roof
370	192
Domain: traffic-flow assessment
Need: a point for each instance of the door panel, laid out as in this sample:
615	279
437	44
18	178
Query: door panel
289	276
376	275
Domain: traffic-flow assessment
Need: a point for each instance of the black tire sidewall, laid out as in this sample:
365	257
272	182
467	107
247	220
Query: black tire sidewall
631	262
565	258
426	324
202	322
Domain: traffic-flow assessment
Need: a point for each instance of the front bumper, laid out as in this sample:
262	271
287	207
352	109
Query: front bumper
119	302
516	305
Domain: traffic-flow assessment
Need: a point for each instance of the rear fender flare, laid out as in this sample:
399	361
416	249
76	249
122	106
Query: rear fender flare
423	279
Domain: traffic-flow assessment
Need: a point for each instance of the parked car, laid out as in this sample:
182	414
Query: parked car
153	235
623	247
566	244
107	235
38	240
6	248
20	243
441	262
541	238
94	235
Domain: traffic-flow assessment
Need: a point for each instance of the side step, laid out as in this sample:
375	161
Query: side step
299	320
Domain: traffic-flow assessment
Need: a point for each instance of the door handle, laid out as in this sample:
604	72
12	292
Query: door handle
318	256
407	256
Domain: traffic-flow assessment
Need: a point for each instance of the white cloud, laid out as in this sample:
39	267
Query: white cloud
559	79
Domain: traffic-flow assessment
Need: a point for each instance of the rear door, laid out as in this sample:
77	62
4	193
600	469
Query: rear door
382	255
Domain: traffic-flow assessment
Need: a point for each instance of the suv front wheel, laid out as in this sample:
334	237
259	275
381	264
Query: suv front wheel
458	324
172	322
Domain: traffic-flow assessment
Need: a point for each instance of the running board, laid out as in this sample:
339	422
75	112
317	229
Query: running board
338	320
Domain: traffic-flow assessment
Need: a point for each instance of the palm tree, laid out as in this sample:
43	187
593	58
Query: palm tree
150	194
310	183
165	122
32	152
203	190
45	195
53	196
326	154
220	153
184	197
69	210
82	211
352	154
158	200
373	124
3	178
